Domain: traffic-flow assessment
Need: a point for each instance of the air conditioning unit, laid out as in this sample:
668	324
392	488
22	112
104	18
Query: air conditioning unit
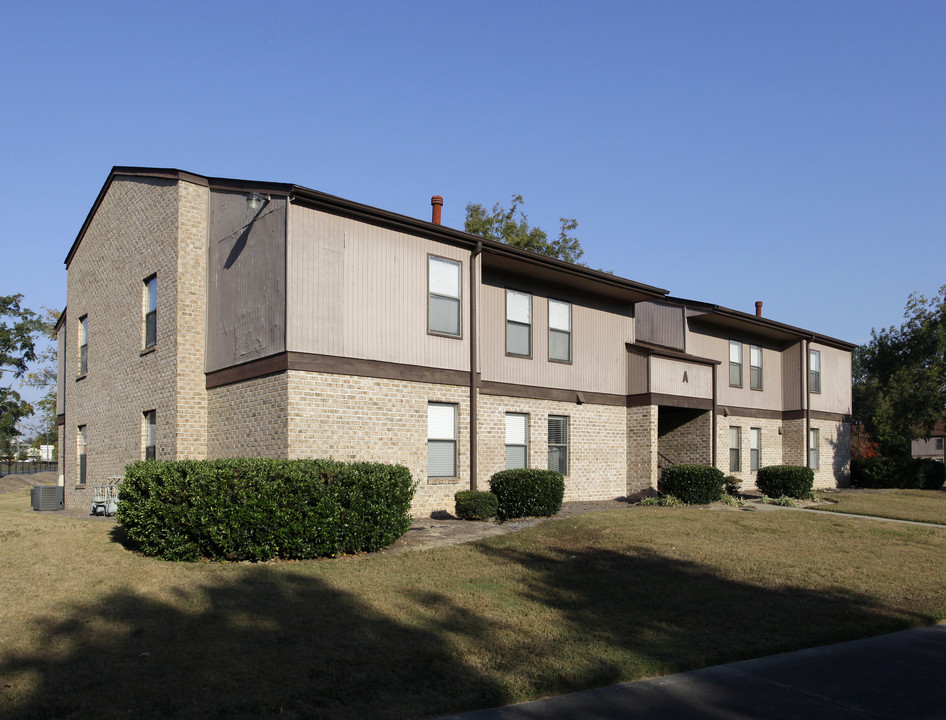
49	497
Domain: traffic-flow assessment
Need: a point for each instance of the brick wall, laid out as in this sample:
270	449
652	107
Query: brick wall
132	236
597	468
370	419
771	447
249	419
685	436
641	438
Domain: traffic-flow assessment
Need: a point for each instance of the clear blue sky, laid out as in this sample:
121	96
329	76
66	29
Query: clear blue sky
792	152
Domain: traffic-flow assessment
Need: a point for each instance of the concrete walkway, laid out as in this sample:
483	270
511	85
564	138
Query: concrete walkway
900	676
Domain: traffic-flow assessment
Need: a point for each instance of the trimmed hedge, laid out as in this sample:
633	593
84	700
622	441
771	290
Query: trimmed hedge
258	509
476	505
693	484
903	473
785	481
527	493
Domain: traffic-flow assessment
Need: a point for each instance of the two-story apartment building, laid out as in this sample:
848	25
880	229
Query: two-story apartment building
213	318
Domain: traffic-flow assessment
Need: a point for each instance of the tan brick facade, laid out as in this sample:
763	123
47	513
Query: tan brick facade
597	463
143	227
249	419
641	438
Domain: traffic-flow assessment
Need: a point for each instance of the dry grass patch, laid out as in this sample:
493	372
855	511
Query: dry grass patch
928	506
88	629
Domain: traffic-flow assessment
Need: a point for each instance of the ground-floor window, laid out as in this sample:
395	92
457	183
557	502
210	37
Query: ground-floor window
441	440
755	448
81	445
517	440
814	438
151	433
735	449
558	443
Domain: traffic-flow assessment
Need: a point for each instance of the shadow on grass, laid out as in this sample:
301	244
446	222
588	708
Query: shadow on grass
279	643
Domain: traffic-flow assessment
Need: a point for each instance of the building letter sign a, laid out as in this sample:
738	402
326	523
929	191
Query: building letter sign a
685	378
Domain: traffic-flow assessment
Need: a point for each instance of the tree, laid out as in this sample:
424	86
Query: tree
18	327
899	389
511	226
44	377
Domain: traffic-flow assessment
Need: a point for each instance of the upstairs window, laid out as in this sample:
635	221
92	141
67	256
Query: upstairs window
814	371
518	324
517	441
558	443
755	448
83	344
755	367
735	363
443	306
939	443
151	311
151	434
560	331
735	449
441	440
814	441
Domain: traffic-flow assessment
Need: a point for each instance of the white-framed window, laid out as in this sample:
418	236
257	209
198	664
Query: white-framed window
81	447
150	433
560	331
441	440
517	440
558	443
939	443
814	371
83	344
755	367
735	449
735	363
151	311
814	441
755	448
518	323
443	304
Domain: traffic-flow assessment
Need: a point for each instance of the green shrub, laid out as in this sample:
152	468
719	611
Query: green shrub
785	481
476	505
732	485
258	509
693	484
904	473
526	492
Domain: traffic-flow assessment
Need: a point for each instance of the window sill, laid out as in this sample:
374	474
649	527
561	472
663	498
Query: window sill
443	481
148	350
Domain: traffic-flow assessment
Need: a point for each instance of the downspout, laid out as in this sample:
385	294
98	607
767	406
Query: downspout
474	356
806	383
715	430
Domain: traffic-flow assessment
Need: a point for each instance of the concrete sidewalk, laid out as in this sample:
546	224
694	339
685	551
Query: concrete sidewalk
900	676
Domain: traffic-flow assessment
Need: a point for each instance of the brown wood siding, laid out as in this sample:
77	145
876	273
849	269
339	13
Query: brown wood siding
360	291
835	395
636	373
661	324
715	346
667	378
246	302
599	333
793	369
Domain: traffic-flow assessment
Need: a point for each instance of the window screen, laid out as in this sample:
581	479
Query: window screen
735	449
517	443
560	331
444	296
735	363
518	323
755	367
441	440
755	448
814	440
151	313
558	443
814	370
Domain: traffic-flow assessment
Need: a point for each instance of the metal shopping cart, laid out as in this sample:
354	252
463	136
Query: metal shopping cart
105	498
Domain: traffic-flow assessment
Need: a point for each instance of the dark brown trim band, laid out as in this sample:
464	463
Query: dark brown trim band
669	401
758	413
309	362
816	415
555	394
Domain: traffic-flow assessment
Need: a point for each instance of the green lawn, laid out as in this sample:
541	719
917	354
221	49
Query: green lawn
88	629
927	506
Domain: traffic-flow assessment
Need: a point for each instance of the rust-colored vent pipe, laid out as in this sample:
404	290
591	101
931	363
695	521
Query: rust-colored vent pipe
436	203
758	308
